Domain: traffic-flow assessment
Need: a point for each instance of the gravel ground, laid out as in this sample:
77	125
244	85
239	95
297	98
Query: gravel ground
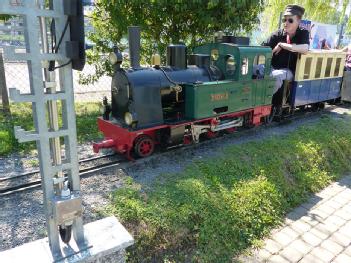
22	218
16	163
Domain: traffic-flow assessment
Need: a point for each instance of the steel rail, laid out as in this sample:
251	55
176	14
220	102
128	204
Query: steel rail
38	171
37	183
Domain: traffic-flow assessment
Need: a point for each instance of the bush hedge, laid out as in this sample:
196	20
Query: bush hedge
21	115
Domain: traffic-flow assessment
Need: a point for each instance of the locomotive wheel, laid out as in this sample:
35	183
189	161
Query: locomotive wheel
274	113
211	134
302	108
268	119
229	130
315	107
321	105
65	233
144	146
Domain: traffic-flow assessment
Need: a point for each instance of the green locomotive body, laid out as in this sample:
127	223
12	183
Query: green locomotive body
241	89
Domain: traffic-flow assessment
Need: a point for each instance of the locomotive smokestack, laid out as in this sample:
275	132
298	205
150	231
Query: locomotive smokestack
134	46
176	56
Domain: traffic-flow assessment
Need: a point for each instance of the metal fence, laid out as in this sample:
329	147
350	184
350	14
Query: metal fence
17	77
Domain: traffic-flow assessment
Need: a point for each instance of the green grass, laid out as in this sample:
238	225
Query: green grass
86	114
217	208
10	37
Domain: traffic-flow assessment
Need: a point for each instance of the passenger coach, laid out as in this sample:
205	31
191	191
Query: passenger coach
318	80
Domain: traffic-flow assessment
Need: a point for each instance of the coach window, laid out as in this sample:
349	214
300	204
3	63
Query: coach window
318	72
258	67
328	68
230	65
244	66
306	74
337	67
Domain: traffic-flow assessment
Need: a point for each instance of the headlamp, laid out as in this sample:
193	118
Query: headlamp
128	118
112	57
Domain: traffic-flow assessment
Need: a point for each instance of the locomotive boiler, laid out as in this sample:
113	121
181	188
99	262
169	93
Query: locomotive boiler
147	96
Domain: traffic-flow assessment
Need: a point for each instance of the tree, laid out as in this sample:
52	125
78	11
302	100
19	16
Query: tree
164	22
4	17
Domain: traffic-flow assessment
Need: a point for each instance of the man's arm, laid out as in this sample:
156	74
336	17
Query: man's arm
299	48
301	45
273	42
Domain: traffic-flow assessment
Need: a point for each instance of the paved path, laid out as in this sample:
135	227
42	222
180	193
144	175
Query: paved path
316	232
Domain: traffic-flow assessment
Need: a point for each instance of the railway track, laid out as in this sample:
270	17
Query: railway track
19	183
32	180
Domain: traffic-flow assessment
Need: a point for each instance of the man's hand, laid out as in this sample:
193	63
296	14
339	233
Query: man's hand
277	49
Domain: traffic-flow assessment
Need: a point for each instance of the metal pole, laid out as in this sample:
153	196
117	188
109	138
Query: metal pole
340	35
52	105
341	31
63	207
280	20
3	88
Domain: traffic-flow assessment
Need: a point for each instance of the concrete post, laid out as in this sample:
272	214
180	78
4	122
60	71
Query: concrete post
3	88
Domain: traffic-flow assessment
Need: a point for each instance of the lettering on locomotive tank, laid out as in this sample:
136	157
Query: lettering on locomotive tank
246	90
219	96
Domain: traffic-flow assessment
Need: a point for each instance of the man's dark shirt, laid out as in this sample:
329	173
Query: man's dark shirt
285	58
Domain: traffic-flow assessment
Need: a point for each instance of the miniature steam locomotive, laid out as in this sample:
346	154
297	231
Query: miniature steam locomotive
222	86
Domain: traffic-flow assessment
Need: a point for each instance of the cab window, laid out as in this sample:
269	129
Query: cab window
230	65
258	67
244	66
214	54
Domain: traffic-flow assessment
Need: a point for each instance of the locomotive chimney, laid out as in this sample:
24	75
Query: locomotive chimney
134	46
176	56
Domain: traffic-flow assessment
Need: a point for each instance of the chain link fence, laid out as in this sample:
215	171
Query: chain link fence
17	76
16	72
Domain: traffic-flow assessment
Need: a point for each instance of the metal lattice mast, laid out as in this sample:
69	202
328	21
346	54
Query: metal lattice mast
59	209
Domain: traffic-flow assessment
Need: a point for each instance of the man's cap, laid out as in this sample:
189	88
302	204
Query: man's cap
294	10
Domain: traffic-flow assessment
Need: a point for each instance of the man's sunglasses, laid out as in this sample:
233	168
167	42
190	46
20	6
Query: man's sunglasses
290	20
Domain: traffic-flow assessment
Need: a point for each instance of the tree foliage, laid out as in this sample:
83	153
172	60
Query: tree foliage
4	17
164	22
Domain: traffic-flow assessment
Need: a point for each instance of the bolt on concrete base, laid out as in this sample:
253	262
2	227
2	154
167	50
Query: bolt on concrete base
106	241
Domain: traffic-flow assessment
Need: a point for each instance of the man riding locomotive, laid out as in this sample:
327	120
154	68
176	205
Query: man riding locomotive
286	43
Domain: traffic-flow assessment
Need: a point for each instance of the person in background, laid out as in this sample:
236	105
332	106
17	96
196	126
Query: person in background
286	43
324	44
